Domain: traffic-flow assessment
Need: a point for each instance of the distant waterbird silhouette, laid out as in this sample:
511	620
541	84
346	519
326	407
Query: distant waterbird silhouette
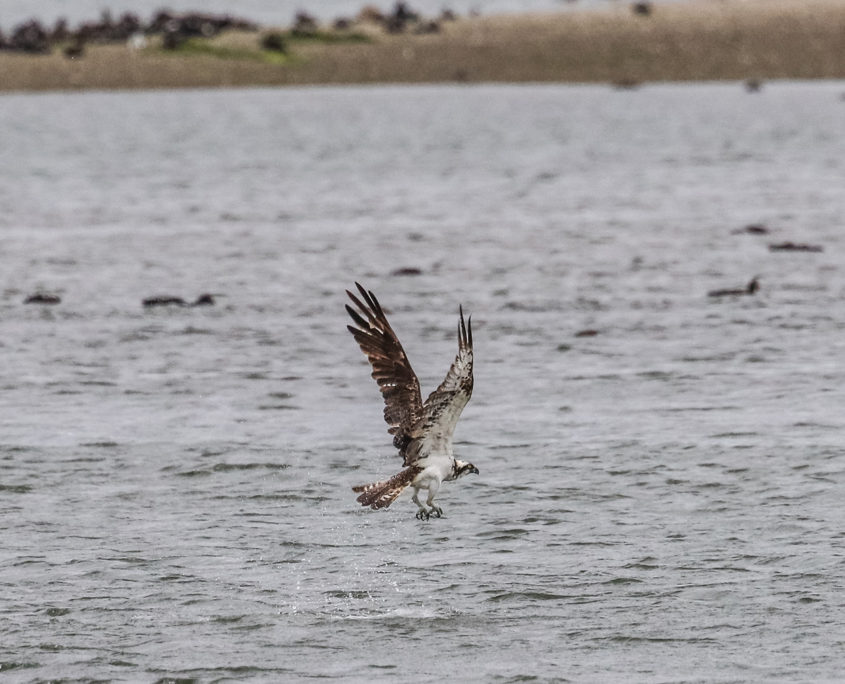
750	289
43	298
790	246
753	85
753	229
205	299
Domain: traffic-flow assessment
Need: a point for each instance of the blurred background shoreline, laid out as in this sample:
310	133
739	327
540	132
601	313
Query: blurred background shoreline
623	44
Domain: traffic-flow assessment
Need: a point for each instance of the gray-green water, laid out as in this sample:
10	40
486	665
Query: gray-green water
659	502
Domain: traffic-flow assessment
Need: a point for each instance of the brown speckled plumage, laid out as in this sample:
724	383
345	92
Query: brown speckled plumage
422	432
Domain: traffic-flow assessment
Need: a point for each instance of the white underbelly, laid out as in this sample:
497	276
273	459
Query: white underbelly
435	469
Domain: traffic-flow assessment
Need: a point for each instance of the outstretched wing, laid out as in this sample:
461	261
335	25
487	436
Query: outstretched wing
444	405
392	371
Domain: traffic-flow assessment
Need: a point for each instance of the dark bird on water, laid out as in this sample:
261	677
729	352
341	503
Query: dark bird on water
753	229
42	298
407	271
753	85
167	300
750	289
422	432
205	300
794	247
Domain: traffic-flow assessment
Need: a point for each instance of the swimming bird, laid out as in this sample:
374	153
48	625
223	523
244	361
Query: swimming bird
750	289
168	300
422	432
43	298
753	229
205	300
163	300
789	246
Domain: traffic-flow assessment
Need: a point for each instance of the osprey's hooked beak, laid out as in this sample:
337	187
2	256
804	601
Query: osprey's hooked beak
473	470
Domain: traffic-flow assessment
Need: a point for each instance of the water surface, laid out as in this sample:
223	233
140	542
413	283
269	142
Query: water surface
660	501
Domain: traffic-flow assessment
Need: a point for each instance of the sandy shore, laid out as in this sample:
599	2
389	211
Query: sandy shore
699	40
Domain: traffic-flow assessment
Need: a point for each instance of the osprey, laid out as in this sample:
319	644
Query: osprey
422	432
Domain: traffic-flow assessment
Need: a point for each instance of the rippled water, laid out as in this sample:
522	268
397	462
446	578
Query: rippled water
660	501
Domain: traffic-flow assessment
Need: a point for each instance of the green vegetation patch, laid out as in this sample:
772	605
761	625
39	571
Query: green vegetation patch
208	48
327	37
272	48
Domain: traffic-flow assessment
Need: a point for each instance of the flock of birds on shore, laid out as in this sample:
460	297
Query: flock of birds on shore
209	299
33	37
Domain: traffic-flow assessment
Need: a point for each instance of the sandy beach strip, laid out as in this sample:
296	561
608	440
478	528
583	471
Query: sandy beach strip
697	40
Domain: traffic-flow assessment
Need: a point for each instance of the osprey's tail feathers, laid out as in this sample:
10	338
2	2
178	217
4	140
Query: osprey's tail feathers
382	494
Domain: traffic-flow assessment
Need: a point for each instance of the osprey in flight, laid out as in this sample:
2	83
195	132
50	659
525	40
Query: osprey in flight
421	431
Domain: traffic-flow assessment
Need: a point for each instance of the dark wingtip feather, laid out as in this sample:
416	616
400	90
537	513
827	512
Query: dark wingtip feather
370	299
464	330
366	310
366	294
357	318
375	305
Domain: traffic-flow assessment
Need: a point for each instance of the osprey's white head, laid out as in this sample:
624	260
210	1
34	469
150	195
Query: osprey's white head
463	468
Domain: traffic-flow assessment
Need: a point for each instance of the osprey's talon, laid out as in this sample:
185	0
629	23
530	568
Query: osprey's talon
436	511
423	514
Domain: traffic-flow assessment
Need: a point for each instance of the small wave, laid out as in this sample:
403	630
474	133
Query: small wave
647	563
16	489
623	580
9	665
728	435
231	467
816	426
705	358
513	533
692	409
348	594
527	596
405	613
226	467
194	473
633	639
216	674
656	375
